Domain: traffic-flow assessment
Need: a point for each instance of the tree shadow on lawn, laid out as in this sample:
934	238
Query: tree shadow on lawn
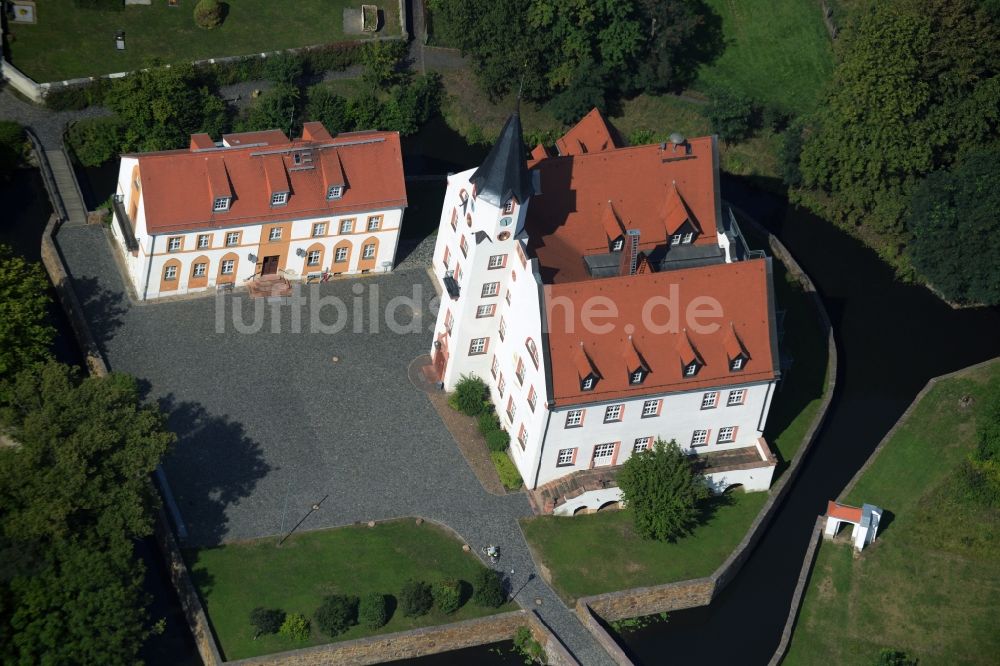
213	465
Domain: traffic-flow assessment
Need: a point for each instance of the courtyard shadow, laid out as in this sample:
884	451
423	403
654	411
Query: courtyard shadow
213	465
104	309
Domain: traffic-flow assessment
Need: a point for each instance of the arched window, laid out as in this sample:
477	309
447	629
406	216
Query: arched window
170	278
228	266
199	273
532	351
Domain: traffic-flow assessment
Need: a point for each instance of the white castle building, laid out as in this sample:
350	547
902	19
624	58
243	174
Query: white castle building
607	301
259	208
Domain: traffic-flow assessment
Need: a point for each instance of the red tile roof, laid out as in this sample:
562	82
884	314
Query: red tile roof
843	512
590	135
268	137
741	290
652	189
179	185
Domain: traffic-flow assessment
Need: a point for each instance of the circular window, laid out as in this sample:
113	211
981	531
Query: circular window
505	222
503	235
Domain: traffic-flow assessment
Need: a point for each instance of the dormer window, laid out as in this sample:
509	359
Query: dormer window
279	198
676	239
618	245
736	363
335	192
636	377
587	384
297	158
691	369
221	204
688	237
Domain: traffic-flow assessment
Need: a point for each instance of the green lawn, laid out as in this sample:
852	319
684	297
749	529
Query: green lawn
930	585
600	552
235	578
777	51
69	42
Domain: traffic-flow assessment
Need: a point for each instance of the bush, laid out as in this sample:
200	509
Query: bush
75	98
470	395
337	614
790	155
266	620
284	68
497	441
209	14
373	611
488	422
415	599
732	116
509	476
94	141
333	57
526	645
489	589
296	627
890	657
448	595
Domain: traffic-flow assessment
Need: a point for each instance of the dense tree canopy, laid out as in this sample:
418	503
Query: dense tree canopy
25	335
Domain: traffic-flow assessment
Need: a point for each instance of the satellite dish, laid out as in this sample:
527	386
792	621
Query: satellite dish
677	138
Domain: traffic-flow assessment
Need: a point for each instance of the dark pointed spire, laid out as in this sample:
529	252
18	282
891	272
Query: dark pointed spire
504	172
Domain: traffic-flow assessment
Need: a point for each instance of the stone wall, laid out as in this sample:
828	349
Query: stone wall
800	588
648	600
603	637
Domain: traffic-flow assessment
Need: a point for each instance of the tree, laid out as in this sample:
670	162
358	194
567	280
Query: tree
25	334
328	108
161	107
373	611
284	68
209	14
683	35
266	620
731	115
662	491
488	590
415	599
94	141
337	614
948	208
448	595
277	108
380	60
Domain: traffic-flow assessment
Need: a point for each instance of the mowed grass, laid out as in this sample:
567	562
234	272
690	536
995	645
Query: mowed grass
600	552
235	578
930	584
70	42
777	51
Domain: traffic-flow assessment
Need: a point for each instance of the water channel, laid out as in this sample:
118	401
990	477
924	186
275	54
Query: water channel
892	337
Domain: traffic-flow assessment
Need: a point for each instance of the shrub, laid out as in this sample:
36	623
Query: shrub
731	116
373	611
336	614
890	657
790	155
469	396
448	595
209	14
284	68
497	441
526	645
296	627
488	422
333	57
266	620
489	589
94	141
509	476
75	98
415	599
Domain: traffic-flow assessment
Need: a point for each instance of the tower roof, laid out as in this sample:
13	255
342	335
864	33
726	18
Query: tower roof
504	172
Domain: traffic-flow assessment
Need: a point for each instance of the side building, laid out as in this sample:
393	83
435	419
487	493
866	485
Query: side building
607	299
259	205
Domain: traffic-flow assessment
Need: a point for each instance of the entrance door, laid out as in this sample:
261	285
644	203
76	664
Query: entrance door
270	265
603	453
441	357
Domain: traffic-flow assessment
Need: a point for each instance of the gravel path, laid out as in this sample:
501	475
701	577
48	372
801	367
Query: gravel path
48	125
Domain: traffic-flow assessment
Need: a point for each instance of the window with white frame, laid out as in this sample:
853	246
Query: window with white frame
340	255
449	319
587	384
727	435
491	289
368	251
618	245
532	398
603	454
463	245
175	243
447	257
522	437
478	346
508	207
691	370
520	371
204	241
275	234
228	266
650	408
319	229
335	192
532	350
346	226
676	239
511	409
613	413
498	261
574	418
170	273
641	444
687	238
709	400
737	364
502	328
501	385
486	311
199	270
233	238
699	438
565	457
279	198
221	204
312	259
374	222
636	377
454	219
736	397
458	272
494	366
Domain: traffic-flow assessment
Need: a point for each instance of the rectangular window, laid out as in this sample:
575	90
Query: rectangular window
486	311
727	435
478	346
613	414
699	438
498	261
688	237
312	259
522	437
532	398
319	229
175	243
491	289
449	319
463	245
502	329
335	192
508	207
204	240
511	409
675	239
709	400
279	198
618	245
170	273
346	226
275	234
691	370
374	222
520	371
340	255
736	397
650	408
574	418
199	270
635	377
565	457
501	385
228	265
458	272
447	257
454	219
221	203
507	297
641	444
494	366
603	454
368	252
737	363
588	383
233	238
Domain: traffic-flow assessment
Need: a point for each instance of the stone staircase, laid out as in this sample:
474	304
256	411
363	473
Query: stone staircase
67	187
545	498
270	286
